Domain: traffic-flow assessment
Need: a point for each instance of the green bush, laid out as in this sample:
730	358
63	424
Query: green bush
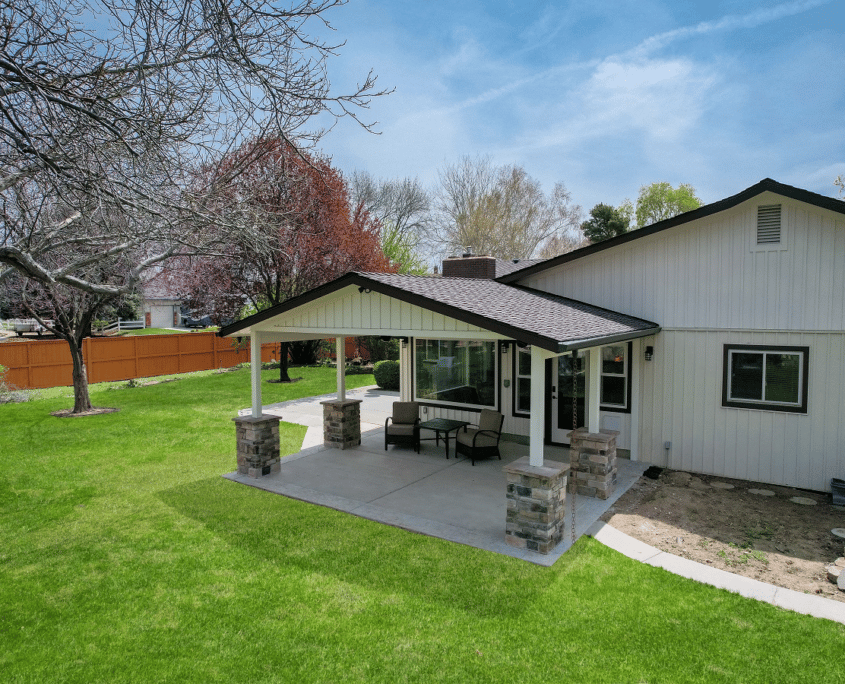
387	374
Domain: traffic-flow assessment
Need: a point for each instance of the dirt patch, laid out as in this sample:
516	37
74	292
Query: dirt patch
747	528
94	411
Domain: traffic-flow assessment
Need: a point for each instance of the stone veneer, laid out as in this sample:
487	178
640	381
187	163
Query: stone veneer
257	445
593	458
536	504
342	423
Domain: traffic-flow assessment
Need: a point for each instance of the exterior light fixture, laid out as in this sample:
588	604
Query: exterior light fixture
649	353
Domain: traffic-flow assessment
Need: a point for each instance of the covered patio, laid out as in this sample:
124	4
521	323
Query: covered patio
424	493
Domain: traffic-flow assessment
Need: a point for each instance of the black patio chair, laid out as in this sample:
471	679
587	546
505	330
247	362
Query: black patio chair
482	441
404	426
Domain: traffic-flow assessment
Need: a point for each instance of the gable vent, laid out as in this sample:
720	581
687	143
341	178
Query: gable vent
768	224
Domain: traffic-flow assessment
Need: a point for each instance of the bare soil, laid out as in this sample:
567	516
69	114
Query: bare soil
765	537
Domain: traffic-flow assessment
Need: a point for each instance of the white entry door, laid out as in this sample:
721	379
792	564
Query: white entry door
569	386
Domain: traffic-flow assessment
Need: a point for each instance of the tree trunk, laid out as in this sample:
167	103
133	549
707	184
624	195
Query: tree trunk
81	399
283	363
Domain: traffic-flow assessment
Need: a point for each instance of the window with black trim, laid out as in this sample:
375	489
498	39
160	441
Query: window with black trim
770	378
456	372
615	377
522	373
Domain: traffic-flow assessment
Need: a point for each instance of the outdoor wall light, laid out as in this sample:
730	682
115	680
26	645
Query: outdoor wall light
503	346
649	353
364	290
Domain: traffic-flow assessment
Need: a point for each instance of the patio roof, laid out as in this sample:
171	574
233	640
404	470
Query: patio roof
557	324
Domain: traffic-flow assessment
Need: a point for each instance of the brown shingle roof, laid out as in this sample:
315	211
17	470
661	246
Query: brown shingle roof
549	321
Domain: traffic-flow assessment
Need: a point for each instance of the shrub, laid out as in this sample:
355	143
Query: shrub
387	374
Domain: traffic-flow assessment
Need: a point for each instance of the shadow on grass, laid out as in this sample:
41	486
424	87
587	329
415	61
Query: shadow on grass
282	532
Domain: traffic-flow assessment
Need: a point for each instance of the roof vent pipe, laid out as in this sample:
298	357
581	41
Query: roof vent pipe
468	251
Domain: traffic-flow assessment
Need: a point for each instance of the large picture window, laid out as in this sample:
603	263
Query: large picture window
455	372
770	378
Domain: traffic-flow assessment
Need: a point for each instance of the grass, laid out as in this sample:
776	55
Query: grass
125	557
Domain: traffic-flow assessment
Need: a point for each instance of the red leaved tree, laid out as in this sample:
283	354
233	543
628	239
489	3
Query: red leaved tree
296	231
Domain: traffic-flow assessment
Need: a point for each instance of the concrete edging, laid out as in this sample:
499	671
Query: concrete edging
807	604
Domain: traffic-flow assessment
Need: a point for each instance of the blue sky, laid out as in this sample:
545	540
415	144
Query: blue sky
603	96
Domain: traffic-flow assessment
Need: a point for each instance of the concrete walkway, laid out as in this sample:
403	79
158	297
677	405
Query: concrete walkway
456	501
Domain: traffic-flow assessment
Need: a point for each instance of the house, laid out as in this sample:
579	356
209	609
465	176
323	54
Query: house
712	342
161	308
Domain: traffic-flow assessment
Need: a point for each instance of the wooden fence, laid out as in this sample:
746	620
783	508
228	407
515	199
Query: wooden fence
47	363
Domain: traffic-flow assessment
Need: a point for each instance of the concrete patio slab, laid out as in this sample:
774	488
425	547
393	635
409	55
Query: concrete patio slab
425	493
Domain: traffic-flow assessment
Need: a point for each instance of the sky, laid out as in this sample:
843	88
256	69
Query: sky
604	97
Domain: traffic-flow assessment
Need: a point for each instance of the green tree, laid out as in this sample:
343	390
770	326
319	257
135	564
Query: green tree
605	222
400	248
660	201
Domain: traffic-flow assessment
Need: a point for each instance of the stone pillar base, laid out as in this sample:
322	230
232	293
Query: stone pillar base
342	423
258	445
593	459
536	505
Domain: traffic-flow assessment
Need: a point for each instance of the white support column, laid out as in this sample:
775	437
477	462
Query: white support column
594	392
634	364
404	372
255	368
340	355
537	424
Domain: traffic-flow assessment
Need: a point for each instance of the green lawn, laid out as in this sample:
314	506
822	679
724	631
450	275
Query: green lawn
125	557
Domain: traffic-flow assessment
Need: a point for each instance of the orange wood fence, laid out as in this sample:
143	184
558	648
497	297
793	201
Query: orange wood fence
47	363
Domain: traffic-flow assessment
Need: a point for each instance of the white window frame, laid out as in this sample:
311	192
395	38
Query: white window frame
625	375
517	410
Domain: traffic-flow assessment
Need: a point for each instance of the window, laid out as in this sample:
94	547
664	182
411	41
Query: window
768	378
614	377
455	372
522	395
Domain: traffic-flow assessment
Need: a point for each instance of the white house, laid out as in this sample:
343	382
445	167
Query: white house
713	342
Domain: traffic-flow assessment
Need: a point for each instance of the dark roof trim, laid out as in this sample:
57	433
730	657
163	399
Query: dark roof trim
359	280
765	185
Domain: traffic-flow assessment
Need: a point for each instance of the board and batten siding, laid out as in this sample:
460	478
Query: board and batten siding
708	274
352	313
707	284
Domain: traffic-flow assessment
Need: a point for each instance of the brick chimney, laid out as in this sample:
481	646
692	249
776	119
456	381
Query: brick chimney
470	266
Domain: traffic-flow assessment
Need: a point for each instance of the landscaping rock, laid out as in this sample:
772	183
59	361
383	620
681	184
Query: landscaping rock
803	501
761	492
722	485
696	483
840	581
838	532
833	573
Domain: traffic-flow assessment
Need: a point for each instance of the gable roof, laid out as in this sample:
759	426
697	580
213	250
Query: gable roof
551	322
765	185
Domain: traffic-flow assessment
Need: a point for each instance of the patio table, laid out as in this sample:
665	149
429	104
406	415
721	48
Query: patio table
444	426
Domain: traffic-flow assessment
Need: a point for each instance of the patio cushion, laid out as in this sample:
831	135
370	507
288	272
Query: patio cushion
490	420
484	440
400	430
405	412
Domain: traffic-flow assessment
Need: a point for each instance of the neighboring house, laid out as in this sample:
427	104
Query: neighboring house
712	342
160	307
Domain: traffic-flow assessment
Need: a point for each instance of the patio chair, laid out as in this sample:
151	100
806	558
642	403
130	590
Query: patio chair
481	441
404	426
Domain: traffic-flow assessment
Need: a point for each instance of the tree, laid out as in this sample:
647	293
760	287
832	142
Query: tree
297	230
840	183
499	211
403	208
660	201
606	222
102	121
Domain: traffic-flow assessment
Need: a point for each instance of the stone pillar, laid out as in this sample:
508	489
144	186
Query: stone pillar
593	458
536	504
258	445
342	423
